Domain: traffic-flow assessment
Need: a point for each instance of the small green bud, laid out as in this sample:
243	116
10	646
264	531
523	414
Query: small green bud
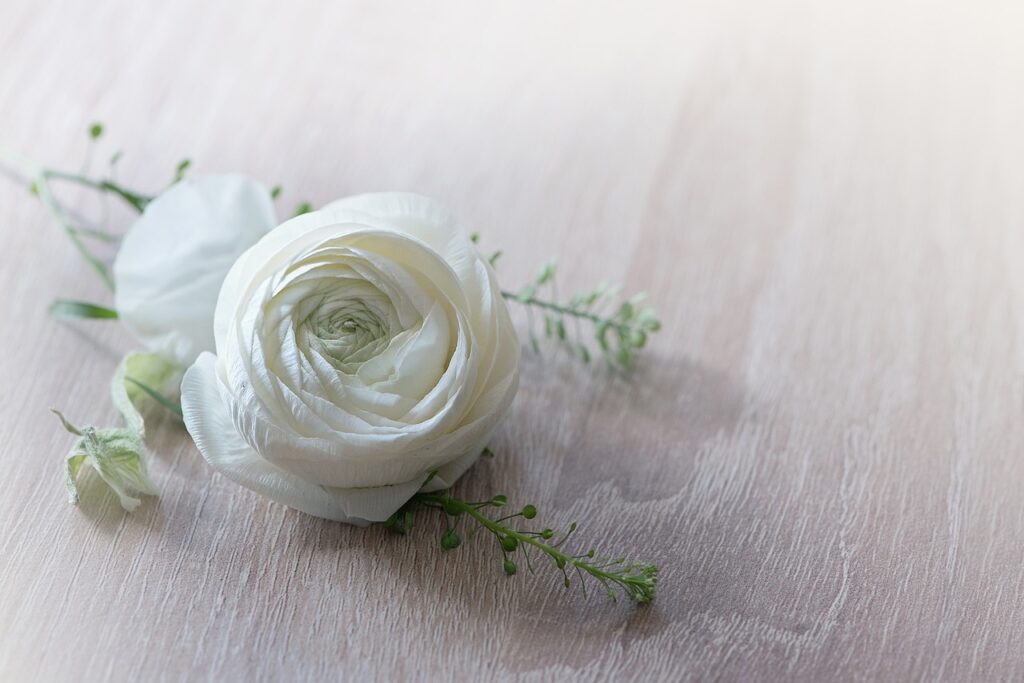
95	131
584	353
547	533
276	192
33	189
498	501
304	207
182	166
493	258
560	562
638	338
509	543
474	237
565	582
510	567
451	508
560	329
529	511
450	540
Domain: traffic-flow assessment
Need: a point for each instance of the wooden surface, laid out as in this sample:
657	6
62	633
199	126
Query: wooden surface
822	448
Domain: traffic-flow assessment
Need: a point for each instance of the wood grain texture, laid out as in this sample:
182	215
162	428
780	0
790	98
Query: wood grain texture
822	448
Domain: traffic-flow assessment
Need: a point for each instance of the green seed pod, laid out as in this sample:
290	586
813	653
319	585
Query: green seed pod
510	567
529	512
509	543
450	540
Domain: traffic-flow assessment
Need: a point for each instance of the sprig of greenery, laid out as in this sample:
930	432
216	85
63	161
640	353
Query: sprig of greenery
136	200
636	580
39	183
41	188
619	335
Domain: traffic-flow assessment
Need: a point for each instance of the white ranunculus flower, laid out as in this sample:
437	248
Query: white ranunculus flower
359	349
173	260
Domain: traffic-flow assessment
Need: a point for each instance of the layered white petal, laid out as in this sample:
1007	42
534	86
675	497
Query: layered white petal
172	262
360	348
210	425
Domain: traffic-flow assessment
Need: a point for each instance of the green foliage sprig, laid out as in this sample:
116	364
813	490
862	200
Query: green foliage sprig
619	334
636	580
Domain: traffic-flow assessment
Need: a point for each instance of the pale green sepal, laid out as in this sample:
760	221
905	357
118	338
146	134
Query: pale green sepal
116	455
128	386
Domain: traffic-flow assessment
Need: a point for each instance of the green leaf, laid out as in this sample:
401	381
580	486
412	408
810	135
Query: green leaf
179	170
584	353
526	293
157	396
545	273
66	308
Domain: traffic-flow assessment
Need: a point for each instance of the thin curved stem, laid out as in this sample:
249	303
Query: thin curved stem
136	200
46	197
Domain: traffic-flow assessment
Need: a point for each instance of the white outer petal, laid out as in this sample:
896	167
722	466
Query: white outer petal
172	262
209	423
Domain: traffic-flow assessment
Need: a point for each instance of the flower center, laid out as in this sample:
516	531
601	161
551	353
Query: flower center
348	327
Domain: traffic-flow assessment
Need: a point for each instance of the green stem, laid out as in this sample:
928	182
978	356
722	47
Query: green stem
564	310
136	200
46	197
